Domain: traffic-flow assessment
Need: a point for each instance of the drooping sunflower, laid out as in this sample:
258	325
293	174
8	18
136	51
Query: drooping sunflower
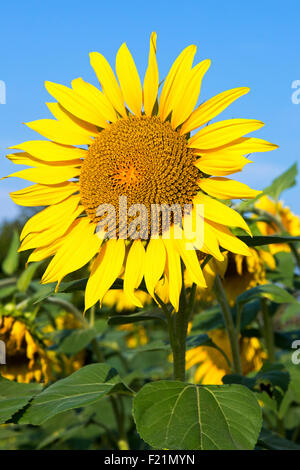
289	221
125	140
238	273
26	359
212	364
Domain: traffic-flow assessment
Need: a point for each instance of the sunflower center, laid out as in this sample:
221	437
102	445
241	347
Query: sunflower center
143	159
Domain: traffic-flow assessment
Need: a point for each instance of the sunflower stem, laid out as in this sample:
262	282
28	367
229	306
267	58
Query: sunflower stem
268	330
178	326
228	320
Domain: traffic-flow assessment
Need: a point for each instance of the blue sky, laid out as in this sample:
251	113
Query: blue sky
253	44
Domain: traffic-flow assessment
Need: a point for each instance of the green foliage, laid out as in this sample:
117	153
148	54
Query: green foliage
14	396
83	387
11	261
175	415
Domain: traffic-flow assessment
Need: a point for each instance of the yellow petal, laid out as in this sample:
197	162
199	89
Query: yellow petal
211	108
211	243
134	271
96	97
43	195
151	81
184	104
52	233
215	163
224	188
48	175
78	125
223	132
178	71
47	218
44	252
108	82
229	241
129	80
174	273
106	268
242	146
220	213
77	104
49	151
60	132
155	260
78	248
191	262
23	158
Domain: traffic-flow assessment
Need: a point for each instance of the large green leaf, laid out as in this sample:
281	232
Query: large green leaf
14	396
85	386
176	415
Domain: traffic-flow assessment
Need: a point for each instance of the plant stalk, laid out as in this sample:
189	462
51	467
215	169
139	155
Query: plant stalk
228	320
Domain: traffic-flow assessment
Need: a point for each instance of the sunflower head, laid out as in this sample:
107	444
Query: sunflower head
212	364
152	151
289	221
26	358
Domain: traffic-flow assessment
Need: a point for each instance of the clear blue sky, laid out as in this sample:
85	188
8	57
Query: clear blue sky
253	44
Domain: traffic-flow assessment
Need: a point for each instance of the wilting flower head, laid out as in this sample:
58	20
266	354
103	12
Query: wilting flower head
26	359
289	221
212	363
125	143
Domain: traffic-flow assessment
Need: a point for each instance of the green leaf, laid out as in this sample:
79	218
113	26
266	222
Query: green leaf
14	396
281	183
272	378
176	415
11	261
271	441
144	315
26	276
267	240
284	271
85	386
269	291
78	339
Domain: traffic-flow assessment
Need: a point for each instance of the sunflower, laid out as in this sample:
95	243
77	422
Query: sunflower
118	300
26	359
289	221
212	365
124	141
238	273
245	272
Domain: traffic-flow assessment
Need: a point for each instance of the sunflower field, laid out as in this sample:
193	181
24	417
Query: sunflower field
118	331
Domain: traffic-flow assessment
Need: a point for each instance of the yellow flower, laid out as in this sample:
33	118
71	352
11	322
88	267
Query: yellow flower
136	336
243	273
213	365
289	221
63	364
117	299
26	359
138	146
